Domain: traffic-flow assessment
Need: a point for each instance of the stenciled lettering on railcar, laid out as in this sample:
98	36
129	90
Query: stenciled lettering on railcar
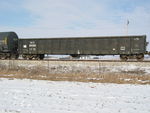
32	45
122	48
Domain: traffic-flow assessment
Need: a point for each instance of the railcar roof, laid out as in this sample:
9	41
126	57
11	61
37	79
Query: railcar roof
131	36
6	34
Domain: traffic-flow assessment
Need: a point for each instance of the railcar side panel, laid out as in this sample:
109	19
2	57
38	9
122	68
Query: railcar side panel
124	45
85	46
138	45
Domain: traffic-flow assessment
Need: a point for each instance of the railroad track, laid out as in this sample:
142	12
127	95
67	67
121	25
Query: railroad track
80	60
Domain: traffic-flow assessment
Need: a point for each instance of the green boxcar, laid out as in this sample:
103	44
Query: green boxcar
125	46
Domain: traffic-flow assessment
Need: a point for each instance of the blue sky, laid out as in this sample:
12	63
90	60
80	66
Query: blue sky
55	18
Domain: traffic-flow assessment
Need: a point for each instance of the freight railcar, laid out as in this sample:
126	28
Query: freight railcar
8	45
125	46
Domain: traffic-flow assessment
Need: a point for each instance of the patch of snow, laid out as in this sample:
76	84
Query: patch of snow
146	69
33	96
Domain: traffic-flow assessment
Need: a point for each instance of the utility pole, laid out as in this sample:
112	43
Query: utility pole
127	24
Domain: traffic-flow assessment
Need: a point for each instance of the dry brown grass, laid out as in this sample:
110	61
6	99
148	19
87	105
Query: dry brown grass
43	74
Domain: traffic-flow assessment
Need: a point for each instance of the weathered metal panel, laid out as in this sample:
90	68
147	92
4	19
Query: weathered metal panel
124	45
138	45
23	46
97	46
42	46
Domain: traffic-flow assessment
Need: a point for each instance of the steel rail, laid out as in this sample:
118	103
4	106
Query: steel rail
78	60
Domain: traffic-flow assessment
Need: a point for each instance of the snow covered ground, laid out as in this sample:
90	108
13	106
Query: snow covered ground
33	96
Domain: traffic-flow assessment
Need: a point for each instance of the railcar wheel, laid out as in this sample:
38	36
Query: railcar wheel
123	57
140	57
75	56
14	56
41	57
24	57
17	56
1	56
4	56
30	57
36	57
